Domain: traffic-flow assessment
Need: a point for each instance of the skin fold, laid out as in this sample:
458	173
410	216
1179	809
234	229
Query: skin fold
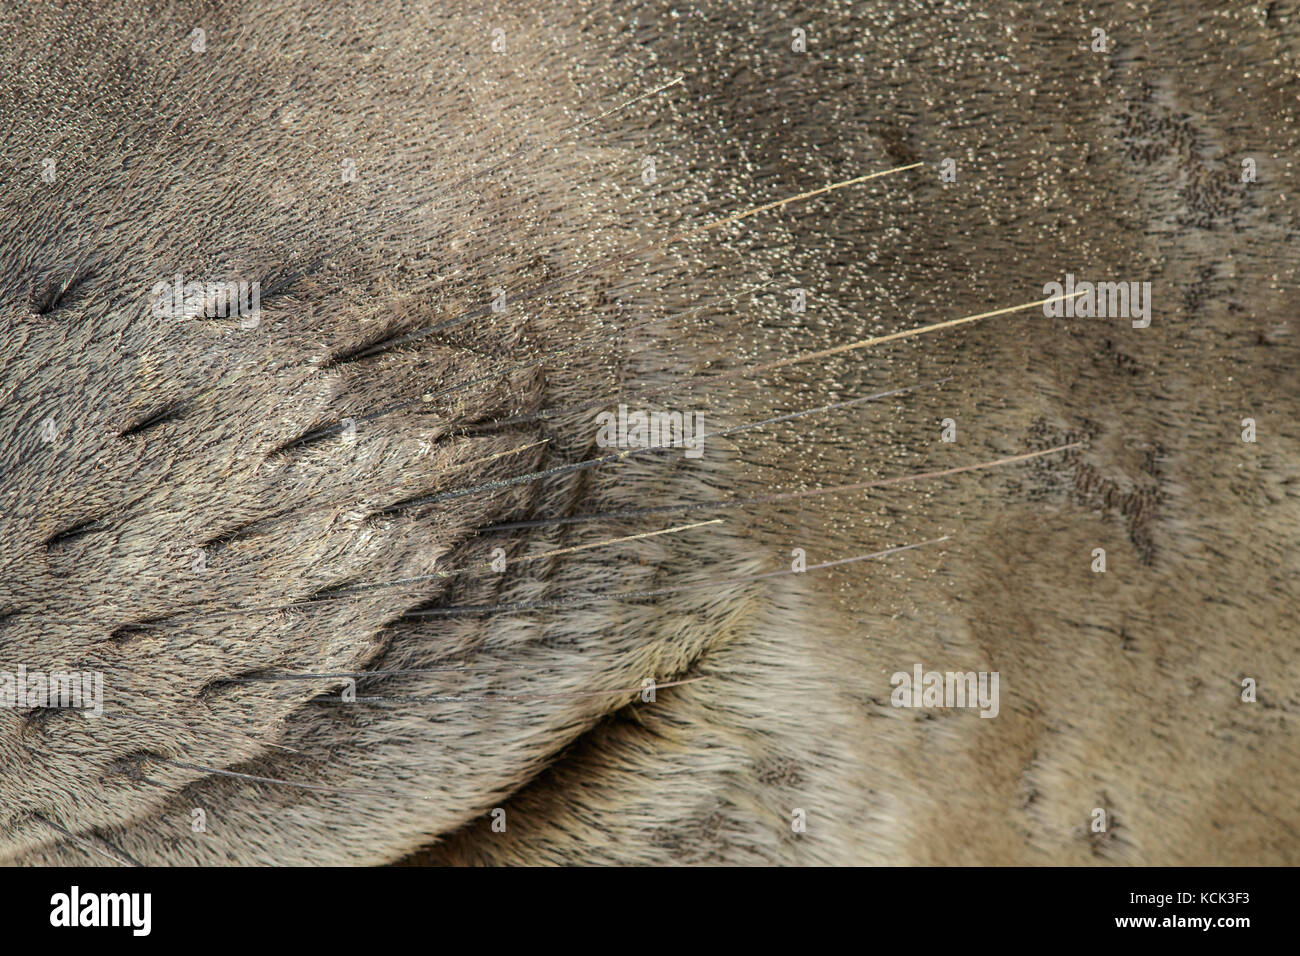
474	227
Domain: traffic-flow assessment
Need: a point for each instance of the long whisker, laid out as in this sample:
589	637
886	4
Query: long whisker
627	453
746	214
355	675
437	575
346	592
634	253
590	598
622	106
323	788
352	591
492	698
744	370
907	333
189	728
96	845
297	513
768	499
336	426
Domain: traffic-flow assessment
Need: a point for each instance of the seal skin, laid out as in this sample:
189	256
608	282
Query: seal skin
453	227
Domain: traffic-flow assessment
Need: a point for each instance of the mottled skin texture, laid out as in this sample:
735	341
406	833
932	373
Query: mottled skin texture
1120	691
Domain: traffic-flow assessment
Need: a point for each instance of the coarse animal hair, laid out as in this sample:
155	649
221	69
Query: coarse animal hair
469	241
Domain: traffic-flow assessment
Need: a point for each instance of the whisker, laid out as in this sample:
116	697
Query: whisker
351	591
768	499
190	728
627	453
297	513
492	698
336	426
320	262
906	334
593	598
638	251
699	380
791	416
622	106
356	675
90	844
746	214
450	573
323	788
